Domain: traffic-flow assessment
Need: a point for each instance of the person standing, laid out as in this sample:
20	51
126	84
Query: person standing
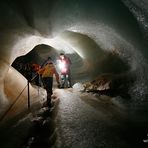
47	72
65	73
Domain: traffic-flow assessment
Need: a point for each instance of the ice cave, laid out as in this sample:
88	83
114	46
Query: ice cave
107	42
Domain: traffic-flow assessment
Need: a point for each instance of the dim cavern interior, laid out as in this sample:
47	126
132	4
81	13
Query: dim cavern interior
107	42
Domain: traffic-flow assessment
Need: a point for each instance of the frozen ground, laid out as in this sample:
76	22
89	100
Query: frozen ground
88	121
79	120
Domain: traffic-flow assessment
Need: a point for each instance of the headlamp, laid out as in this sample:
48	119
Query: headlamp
62	66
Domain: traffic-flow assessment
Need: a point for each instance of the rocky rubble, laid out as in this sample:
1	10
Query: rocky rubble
110	84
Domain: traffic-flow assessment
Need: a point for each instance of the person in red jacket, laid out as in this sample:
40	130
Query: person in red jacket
65	74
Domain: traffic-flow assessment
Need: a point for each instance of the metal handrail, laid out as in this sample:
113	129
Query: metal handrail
17	98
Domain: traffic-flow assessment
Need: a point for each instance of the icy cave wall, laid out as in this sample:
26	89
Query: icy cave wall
92	29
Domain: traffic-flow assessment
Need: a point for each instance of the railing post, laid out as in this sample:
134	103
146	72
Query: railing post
28	95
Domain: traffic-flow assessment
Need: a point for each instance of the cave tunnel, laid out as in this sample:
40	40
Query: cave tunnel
104	40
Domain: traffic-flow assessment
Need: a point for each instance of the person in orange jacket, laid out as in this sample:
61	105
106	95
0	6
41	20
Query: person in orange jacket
47	72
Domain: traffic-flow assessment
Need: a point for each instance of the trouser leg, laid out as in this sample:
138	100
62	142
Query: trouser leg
49	99
68	78
48	82
63	80
49	91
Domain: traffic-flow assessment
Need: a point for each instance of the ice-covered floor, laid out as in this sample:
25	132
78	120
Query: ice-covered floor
86	121
79	120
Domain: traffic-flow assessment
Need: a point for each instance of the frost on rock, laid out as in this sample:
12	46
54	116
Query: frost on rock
78	87
101	83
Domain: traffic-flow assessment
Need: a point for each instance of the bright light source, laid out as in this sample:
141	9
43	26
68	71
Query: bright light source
62	66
